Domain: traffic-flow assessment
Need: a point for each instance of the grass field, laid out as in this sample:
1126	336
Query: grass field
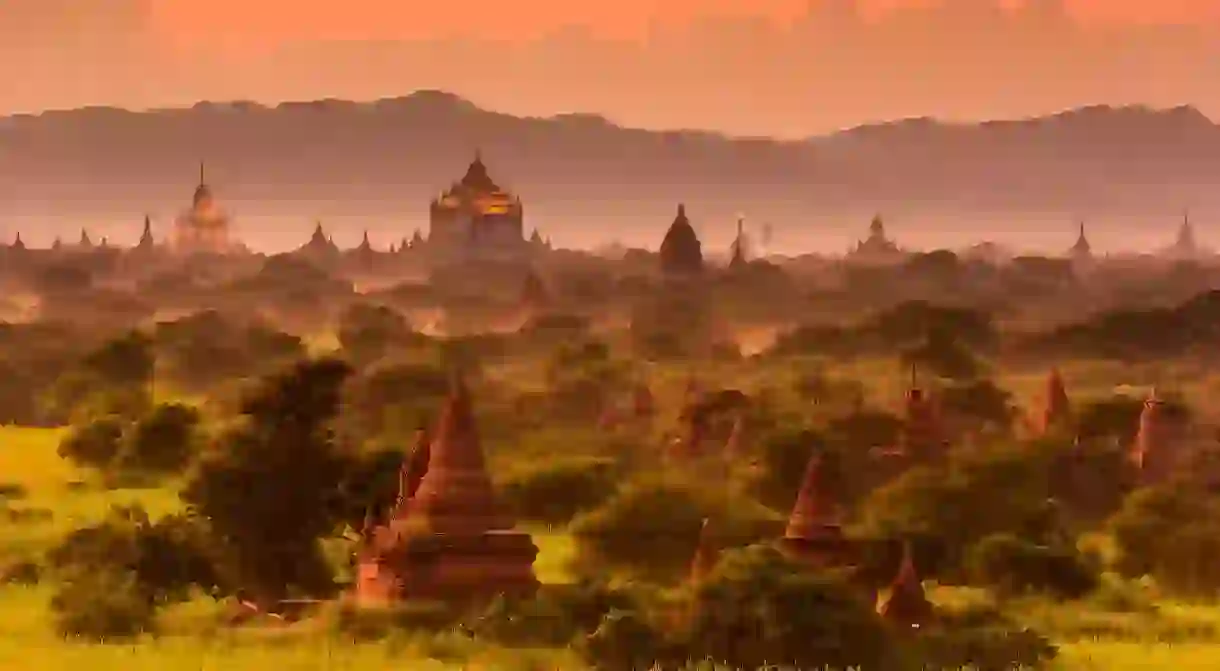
1171	637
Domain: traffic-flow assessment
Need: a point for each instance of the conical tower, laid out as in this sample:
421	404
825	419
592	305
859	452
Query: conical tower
907	605
1155	453
814	534
817	513
454	542
85	242
146	237
18	245
737	257
681	252
1058	409
456	494
411	473
923	437
706	555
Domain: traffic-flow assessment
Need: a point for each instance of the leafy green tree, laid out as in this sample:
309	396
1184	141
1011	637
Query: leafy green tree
95	444
556	492
651	528
980	404
165	557
1014	566
270	493
367	332
1005	490
1171	533
757	609
163	441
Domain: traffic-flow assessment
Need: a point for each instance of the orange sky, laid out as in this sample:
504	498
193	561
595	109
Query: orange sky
807	72
269	22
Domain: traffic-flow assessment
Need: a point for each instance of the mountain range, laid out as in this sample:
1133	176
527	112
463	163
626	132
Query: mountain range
585	180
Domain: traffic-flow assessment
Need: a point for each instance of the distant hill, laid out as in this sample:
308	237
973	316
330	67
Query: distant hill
352	163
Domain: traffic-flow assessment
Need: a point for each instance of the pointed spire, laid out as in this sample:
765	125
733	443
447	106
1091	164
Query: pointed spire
734	446
365	245
1058	406
369	524
18	245
906	605
816	513
84	239
738	256
706	555
412	471
202	181
456	496
146	237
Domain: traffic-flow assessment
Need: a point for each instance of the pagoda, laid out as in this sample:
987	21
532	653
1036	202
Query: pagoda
450	539
877	247
1081	253
737	254
204	227
320	247
923	435
907	604
681	251
1156	451
1058	410
475	216
146	242
814	535
1185	247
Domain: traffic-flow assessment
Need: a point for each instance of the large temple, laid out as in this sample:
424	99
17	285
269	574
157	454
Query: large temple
476	217
877	248
204	228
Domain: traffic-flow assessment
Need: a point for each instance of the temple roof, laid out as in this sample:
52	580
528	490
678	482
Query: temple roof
1057	403
706	556
202	192
1082	247
146	237
816	513
456	494
907	604
477	177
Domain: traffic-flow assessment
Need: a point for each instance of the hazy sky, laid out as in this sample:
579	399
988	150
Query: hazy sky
780	67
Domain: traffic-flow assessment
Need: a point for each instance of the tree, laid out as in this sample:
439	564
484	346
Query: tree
1013	566
163	441
95	444
270	493
1006	490
368	331
1173	534
126	361
759	610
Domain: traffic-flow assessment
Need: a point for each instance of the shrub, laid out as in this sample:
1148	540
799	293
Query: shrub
624	641
369	624
162	441
758	609
991	648
554	493
651	527
555	617
102	605
21	573
1014	566
95	444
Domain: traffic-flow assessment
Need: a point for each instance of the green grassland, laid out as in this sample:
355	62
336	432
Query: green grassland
1091	635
